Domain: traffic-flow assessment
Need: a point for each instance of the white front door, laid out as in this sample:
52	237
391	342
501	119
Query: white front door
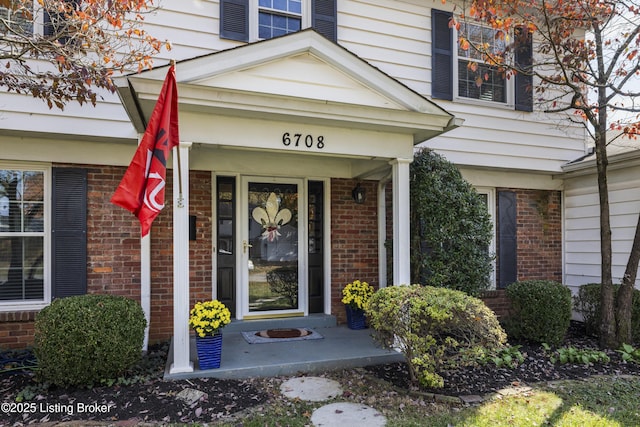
273	248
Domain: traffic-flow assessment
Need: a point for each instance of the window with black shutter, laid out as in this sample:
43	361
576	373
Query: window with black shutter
462	73
275	18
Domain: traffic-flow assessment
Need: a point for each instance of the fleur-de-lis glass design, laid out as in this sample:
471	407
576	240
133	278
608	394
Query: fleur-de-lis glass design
271	217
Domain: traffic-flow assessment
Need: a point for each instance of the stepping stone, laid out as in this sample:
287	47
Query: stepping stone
190	396
347	414
312	389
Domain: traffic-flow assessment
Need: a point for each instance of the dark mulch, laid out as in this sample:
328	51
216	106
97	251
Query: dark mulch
149	398
536	367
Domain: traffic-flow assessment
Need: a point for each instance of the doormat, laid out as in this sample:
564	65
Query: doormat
280	335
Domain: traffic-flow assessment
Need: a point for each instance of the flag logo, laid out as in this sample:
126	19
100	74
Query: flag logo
141	190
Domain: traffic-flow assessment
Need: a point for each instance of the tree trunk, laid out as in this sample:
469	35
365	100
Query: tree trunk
625	294
607	303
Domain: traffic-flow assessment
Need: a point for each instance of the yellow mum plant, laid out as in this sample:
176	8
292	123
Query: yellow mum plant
357	294
209	317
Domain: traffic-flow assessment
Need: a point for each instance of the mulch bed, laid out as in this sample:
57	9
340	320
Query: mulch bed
537	367
149	398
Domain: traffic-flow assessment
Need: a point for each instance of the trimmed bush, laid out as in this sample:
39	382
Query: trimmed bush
450	227
433	327
81	340
587	303
541	311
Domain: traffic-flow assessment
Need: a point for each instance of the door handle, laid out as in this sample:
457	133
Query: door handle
245	245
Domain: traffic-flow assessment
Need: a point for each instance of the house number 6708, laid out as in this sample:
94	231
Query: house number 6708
300	140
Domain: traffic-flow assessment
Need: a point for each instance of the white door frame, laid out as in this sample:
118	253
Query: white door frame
243	236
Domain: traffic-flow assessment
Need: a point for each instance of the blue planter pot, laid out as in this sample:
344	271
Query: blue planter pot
355	318
209	350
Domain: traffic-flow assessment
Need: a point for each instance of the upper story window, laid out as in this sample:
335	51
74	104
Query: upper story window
252	20
477	79
463	74
16	18
278	17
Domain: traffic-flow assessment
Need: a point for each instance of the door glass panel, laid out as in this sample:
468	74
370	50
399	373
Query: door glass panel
273	246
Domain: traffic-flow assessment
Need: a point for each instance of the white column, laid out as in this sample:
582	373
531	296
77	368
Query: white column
382	231
181	359
401	218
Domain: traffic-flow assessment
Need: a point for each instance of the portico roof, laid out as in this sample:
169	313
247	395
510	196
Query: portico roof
301	77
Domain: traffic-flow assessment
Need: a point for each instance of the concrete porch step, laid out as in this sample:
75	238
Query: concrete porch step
340	348
313	321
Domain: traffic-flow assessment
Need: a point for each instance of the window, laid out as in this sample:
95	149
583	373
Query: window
475	79
23	237
278	17
252	20
16	18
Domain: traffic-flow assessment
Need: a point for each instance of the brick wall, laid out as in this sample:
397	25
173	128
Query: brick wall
354	239
113	238
113	254
162	255
539	231
539	234
497	301
16	329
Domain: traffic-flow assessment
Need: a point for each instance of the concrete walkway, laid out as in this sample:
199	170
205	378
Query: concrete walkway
340	348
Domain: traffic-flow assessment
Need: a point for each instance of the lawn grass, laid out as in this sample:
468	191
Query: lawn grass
597	402
600	401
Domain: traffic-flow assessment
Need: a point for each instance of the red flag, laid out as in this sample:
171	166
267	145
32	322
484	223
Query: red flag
141	190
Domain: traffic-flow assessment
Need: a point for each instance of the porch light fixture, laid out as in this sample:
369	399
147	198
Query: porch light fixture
359	194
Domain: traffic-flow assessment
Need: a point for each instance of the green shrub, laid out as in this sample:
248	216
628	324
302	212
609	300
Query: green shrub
82	340
629	353
541	311
433	327
587	303
450	227
509	356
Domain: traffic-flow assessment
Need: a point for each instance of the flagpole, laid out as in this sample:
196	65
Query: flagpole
172	62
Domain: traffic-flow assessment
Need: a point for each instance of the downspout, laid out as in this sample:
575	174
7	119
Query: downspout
382	230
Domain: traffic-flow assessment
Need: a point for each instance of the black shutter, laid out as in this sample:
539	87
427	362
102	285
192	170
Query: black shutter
507	239
69	232
441	55
523	59
324	18
234	20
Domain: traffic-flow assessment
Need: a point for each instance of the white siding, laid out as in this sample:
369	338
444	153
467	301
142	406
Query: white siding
582	225
394	36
